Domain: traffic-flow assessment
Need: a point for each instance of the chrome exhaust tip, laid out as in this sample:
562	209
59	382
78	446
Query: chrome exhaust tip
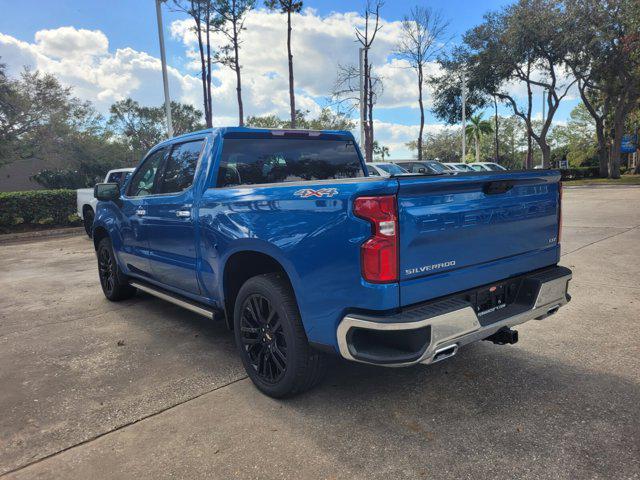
444	353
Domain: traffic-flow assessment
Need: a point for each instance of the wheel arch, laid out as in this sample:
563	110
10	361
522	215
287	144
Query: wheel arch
99	233
240	267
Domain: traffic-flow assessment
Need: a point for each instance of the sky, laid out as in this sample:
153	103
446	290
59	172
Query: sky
108	50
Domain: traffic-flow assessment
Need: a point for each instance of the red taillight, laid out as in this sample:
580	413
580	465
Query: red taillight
559	212
379	254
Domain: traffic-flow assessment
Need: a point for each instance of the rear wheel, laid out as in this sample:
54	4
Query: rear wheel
271	339
87	220
114	283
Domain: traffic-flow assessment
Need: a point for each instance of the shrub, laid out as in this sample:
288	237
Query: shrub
576	173
37	207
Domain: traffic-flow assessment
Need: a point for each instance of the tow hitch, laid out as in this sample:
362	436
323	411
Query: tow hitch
504	336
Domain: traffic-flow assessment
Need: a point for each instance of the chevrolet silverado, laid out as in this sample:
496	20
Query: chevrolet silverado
284	236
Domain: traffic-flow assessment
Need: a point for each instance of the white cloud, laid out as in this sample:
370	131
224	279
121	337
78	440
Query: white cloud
68	41
80	59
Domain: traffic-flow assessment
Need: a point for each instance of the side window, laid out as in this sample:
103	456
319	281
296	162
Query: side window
180	167
372	171
143	180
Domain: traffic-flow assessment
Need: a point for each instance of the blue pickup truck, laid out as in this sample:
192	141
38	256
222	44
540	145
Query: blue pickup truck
284	236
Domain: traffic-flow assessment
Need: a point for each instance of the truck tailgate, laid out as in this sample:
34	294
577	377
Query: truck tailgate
462	231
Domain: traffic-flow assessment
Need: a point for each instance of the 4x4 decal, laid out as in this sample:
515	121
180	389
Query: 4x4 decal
310	192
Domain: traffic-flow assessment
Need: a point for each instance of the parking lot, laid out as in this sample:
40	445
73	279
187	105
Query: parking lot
143	389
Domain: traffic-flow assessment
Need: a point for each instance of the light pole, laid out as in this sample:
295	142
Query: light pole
165	79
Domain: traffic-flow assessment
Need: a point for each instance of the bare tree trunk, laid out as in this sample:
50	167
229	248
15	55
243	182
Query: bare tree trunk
208	37
616	144
603	150
236	60
529	161
370	117
368	142
546	154
420	102
203	67
603	154
292	97
477	138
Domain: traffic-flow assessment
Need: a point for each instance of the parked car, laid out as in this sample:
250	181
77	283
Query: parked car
283	236
86	202
380	169
486	167
459	167
427	167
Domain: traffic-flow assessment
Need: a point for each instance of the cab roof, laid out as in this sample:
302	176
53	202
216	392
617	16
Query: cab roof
260	132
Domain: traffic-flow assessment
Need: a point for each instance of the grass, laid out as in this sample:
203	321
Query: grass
624	180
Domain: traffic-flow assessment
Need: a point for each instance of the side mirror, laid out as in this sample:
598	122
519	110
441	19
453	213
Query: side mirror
107	191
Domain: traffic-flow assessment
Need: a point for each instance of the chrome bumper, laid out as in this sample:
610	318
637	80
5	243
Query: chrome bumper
450	330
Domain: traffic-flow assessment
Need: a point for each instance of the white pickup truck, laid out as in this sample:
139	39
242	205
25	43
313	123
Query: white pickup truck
86	202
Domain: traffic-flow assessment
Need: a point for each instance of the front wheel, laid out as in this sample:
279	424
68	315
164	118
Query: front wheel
114	283
272	342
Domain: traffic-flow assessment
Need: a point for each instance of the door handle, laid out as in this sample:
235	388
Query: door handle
141	212
183	213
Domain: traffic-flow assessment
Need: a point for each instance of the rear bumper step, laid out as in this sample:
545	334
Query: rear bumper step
434	331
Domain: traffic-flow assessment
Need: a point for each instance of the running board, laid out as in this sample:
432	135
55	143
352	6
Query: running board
199	309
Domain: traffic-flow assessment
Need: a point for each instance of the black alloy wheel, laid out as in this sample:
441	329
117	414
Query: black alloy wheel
271	338
263	338
106	271
115	285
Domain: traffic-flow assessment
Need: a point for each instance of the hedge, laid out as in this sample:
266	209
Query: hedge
576	173
37	208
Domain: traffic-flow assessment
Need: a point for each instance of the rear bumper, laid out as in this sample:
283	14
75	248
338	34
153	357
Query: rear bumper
433	331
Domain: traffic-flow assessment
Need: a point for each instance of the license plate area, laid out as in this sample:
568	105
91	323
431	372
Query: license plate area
492	299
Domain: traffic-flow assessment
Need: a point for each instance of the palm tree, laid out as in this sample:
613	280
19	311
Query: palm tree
477	128
381	150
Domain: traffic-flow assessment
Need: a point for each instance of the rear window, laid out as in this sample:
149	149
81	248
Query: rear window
252	161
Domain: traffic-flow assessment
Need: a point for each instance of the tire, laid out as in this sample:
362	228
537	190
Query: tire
114	283
87	220
271	339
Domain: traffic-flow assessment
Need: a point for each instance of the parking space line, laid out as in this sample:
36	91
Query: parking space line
598	241
128	424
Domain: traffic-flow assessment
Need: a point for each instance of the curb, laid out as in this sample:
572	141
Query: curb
25	237
595	185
